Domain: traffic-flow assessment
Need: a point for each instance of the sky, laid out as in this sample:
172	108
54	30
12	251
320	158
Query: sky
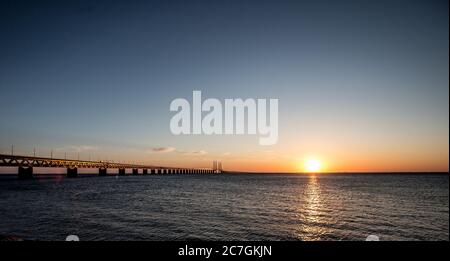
362	85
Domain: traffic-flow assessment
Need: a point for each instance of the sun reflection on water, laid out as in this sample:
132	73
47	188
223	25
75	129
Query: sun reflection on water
313	224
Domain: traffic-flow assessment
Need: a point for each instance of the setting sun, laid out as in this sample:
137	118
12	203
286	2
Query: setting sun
312	165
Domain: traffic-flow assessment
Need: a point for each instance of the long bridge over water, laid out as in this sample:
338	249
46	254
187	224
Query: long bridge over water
26	164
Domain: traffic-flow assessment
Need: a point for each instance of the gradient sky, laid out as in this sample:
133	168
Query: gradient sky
362	85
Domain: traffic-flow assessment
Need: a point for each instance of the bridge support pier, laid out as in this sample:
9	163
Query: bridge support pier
135	171
121	172
145	171
25	173
72	172
102	172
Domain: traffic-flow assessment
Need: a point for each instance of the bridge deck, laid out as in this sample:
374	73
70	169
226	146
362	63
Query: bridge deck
26	161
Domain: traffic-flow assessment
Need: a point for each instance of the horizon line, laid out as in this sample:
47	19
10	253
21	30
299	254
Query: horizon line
338	172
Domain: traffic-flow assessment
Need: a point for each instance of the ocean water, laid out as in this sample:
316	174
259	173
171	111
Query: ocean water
228	207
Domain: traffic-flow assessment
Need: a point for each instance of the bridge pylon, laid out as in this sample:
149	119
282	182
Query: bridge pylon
25	173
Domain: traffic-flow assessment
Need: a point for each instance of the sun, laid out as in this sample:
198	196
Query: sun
312	165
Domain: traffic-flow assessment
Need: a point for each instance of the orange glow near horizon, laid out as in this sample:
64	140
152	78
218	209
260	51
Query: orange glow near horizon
298	156
335	162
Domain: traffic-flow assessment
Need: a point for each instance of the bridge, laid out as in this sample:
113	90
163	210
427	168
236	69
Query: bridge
26	165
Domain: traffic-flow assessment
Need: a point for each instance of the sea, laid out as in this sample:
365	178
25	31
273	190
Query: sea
329	207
